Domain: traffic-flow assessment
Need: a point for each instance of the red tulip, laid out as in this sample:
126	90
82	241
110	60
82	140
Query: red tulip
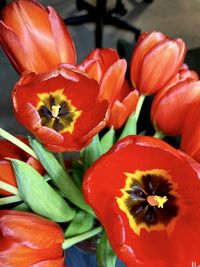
155	60
8	150
29	240
35	38
172	104
60	108
190	141
145	193
105	66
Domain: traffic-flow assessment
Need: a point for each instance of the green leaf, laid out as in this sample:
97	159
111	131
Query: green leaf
108	140
81	223
59	176
77	173
130	126
91	153
39	195
22	207
105	255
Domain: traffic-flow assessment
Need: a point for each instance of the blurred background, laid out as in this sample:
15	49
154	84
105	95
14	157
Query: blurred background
176	18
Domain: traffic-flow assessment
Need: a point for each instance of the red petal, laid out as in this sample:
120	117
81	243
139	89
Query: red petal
30	230
11	43
62	38
106	57
93	69
160	64
15	254
6	175
190	142
91	122
146	42
118	115
48	136
103	183
172	107
50	263
112	81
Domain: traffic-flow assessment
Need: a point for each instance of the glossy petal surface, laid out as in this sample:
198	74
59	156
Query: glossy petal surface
175	244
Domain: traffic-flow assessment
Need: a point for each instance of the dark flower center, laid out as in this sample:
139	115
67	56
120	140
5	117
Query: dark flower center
149	200
57	112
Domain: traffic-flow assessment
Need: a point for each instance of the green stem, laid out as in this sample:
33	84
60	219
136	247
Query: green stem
159	135
17	142
8	200
139	107
71	241
61	160
9	188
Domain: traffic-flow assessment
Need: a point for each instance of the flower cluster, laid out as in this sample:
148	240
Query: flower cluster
136	192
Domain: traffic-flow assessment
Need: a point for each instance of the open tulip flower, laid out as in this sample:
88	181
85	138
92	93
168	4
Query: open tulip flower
146	195
35	38
172	104
155	60
8	150
190	142
60	108
105	66
29	240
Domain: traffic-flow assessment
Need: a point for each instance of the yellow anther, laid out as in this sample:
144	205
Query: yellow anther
157	201
55	111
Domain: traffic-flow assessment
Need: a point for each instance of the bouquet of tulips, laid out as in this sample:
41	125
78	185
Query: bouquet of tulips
138	194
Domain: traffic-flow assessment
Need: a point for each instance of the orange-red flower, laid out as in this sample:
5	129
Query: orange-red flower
60	108
105	66
146	195
190	141
155	60
172	104
29	240
8	150
35	38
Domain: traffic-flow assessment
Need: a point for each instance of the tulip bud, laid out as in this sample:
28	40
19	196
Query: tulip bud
35	38
155	60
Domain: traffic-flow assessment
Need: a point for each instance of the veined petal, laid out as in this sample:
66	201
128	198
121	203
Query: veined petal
15	254
190	142
50	263
145	43
173	106
160	64
62	38
11	43
30	230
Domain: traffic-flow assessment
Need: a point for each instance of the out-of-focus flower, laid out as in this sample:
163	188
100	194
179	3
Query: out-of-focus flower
155	60
172	104
29	240
105	66
9	150
35	38
190	141
145	193
60	108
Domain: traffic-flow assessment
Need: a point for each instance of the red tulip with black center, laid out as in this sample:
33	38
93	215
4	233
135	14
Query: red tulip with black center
60	108
146	195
